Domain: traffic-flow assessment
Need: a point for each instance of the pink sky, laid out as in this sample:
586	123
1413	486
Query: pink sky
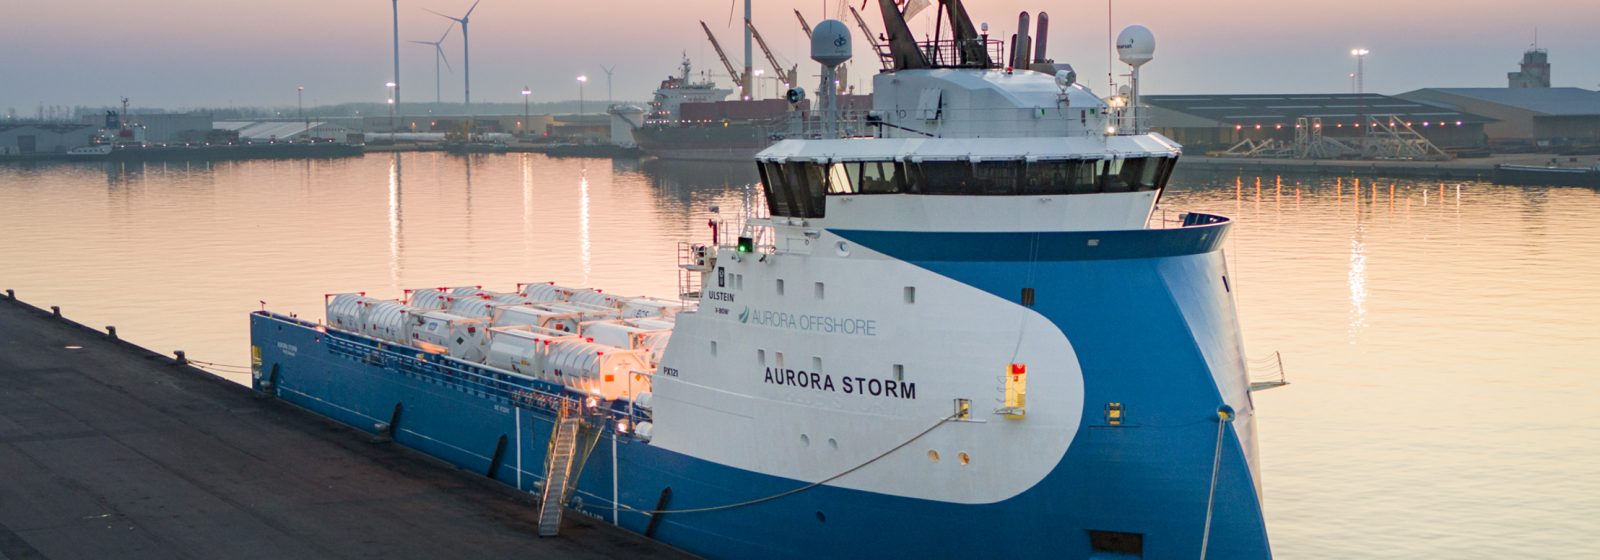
178	53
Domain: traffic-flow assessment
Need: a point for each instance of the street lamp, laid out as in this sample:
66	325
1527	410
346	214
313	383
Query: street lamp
392	125
525	93
581	80
758	73
1361	77
300	105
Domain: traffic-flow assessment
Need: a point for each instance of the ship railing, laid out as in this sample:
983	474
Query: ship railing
1266	372
1173	219
504	387
1061	119
950	53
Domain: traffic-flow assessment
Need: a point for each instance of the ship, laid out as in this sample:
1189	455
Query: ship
967	334
691	119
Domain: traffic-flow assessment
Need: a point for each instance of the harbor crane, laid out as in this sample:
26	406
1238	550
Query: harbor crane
738	77
789	77
803	25
877	47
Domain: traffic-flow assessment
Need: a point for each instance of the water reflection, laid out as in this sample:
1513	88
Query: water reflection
396	243
1357	278
584	246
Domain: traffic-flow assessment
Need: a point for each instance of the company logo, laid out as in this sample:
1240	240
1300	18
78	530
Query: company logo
826	324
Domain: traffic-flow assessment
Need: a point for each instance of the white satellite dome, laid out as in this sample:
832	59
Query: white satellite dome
830	43
1136	45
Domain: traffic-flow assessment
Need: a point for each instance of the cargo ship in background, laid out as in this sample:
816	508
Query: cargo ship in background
964	333
694	120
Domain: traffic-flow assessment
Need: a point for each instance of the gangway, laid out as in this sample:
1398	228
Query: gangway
563	463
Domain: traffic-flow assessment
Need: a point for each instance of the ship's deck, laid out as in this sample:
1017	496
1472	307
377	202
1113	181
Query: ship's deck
110	451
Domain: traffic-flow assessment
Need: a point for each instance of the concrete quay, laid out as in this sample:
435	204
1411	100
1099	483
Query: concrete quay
108	450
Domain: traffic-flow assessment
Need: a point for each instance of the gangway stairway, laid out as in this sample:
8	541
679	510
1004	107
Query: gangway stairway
569	446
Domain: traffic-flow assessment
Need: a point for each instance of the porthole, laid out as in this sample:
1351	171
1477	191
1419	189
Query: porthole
964	458
933	455
833	443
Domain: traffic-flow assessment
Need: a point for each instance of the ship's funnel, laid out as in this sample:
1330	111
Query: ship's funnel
1040	37
830	43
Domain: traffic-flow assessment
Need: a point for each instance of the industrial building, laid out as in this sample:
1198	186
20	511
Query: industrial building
1205	123
272	131
1529	117
38	138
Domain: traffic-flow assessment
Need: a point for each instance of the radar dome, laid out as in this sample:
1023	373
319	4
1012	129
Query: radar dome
1136	45
830	43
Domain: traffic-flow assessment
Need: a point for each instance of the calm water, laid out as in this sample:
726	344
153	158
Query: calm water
1443	340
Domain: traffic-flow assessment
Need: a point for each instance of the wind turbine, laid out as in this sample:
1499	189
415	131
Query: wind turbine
466	47
608	70
439	56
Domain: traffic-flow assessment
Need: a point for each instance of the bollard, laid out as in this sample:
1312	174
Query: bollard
111	331
56	311
182	359
11	295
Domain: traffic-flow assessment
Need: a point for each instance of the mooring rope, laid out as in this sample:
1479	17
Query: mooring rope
794	491
1224	416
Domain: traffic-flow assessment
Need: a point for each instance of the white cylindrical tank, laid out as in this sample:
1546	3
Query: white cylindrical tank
642	400
641	307
596	369
430	298
462	337
593	297
655	324
654	343
516	349
467	290
585	312
644	430
613	333
345	311
512	315
546	291
388	320
471	306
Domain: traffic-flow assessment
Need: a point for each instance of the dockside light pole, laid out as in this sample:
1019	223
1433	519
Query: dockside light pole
581	80
1361	76
300	106
525	93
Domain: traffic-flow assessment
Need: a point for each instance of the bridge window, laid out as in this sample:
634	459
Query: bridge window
864	177
800	188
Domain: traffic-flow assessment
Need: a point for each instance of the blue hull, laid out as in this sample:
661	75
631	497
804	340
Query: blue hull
1148	313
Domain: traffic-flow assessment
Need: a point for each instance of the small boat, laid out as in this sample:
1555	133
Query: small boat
1507	174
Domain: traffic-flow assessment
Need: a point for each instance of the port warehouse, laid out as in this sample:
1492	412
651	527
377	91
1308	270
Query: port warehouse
1489	117
1541	117
31	138
1205	123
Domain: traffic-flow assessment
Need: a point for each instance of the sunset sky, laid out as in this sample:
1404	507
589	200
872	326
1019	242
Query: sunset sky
190	53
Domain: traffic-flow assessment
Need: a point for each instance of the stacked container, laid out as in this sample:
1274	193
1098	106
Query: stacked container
463	338
546	291
347	311
605	371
